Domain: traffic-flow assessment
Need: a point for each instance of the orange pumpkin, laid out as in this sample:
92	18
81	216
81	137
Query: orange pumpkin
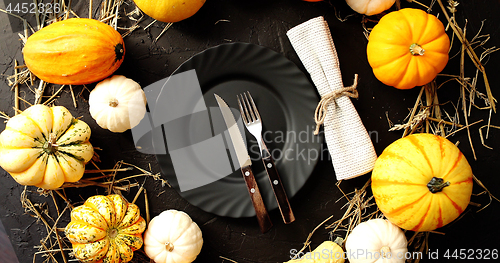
422	182
170	10
74	51
408	48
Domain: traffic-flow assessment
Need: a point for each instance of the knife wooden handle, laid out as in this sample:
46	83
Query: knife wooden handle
279	190
258	204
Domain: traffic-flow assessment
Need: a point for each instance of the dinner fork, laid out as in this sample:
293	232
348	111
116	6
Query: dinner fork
253	123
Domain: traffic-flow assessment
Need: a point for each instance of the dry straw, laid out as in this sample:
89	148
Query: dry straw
54	247
428	116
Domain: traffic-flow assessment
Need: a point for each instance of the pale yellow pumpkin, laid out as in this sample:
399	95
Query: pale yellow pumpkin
45	147
172	237
105	229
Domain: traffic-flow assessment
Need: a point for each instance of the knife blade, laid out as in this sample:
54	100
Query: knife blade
245	164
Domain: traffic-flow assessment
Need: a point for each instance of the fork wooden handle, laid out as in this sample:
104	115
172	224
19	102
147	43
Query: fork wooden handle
258	204
279	190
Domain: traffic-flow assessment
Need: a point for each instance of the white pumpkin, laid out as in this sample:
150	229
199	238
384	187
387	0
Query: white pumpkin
117	103
370	7
376	240
172	237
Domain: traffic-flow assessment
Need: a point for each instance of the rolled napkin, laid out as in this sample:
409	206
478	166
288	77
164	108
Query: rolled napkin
348	141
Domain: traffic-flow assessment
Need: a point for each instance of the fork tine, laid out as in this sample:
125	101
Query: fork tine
254	106
245	107
242	112
250	107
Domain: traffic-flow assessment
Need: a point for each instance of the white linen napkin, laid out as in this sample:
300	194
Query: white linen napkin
348	141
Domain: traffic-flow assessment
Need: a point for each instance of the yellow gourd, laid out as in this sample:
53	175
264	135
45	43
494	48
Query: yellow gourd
45	147
74	51
422	182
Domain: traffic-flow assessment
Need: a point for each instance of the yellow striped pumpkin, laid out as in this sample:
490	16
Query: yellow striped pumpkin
105	229
422	182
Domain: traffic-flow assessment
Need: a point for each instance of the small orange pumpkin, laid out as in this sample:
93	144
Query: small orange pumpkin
74	51
422	182
408	48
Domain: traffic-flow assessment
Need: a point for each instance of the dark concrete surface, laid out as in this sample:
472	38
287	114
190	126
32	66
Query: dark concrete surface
6	249
265	23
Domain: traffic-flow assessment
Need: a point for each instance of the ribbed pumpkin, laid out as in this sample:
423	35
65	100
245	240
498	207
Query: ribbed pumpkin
376	241
172	237
105	229
45	147
170	11
408	48
422	182
117	103
74	51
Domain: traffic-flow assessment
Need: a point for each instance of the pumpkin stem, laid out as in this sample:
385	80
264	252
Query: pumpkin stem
437	184
119	52
416	50
113	233
385	252
113	103
339	241
169	246
50	145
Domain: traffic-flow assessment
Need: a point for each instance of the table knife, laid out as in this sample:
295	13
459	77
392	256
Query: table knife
246	165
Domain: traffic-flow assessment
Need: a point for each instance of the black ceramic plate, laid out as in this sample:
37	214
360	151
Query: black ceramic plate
286	101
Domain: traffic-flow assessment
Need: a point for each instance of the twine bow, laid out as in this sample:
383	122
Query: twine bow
321	109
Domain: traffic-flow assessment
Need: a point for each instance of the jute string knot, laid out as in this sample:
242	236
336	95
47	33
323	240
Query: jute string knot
321	109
